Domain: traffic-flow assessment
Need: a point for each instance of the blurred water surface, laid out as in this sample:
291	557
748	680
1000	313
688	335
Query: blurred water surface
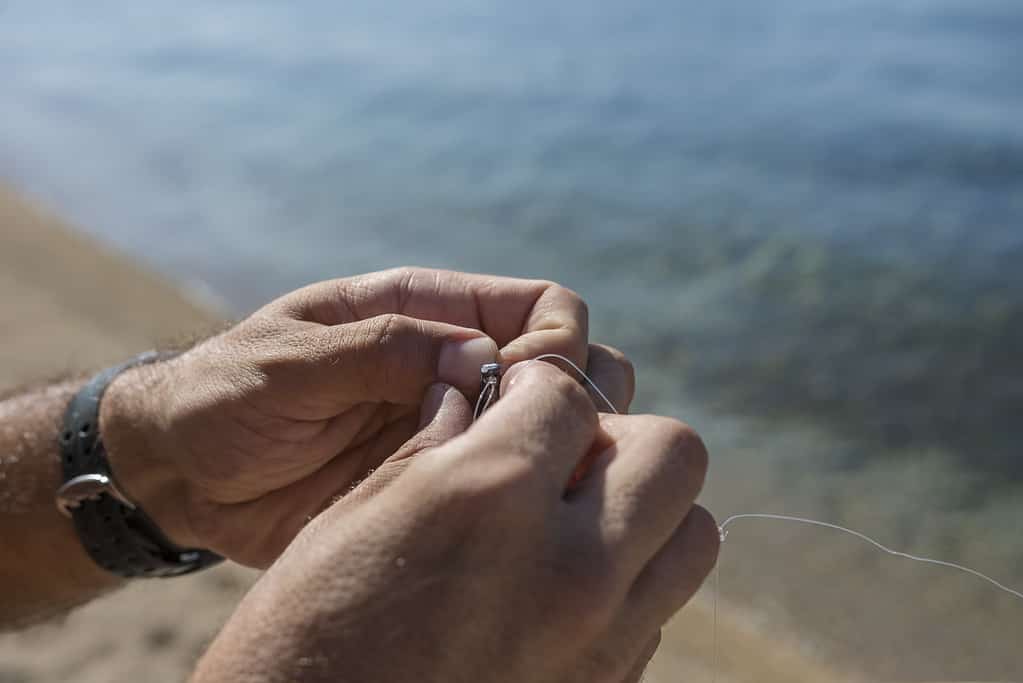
803	218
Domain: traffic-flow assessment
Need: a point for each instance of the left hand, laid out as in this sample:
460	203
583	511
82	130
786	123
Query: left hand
236	444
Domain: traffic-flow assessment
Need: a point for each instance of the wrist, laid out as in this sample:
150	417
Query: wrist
139	442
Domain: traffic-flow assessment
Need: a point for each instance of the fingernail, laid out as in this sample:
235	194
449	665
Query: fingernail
460	362
433	401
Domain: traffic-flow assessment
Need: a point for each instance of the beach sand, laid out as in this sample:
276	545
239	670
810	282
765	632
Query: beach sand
68	304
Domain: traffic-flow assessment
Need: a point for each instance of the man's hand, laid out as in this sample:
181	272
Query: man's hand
474	564
236	444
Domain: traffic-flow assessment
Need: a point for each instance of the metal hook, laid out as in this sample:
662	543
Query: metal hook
490	388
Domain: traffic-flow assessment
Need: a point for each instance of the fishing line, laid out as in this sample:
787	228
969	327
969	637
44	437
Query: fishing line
484	401
490	392
915	558
593	385
490	384
723	530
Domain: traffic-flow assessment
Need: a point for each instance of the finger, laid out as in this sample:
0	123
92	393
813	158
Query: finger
609	377
641	489
557	322
281	514
544	417
675	573
649	650
525	317
609	380
389	358
445	414
613	374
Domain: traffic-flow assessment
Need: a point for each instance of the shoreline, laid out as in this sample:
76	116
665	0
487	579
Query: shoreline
68	305
71	304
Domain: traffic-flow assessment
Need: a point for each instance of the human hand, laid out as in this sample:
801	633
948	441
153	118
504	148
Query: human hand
474	564
237	443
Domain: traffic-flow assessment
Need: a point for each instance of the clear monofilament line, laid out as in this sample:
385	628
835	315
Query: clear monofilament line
593	385
877	544
484	401
813	522
717	592
723	529
487	397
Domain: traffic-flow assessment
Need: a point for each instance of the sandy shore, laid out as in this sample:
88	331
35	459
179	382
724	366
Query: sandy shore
67	304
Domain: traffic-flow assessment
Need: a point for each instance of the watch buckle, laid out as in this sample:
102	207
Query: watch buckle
85	487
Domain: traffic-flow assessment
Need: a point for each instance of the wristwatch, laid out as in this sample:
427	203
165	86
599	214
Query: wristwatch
115	532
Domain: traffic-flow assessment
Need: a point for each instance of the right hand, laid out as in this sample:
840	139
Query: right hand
475	565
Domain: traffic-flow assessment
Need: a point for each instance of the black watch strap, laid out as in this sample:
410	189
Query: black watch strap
115	532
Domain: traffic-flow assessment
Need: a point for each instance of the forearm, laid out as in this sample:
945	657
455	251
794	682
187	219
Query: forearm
44	570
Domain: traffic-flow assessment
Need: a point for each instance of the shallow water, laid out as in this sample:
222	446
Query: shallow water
807	214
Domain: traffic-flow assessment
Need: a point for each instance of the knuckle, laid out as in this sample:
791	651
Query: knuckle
579	306
682	442
334	344
569	294
383	330
404	279
567	298
614	352
406	272
554	387
561	383
386	342
565	388
624	363
543	285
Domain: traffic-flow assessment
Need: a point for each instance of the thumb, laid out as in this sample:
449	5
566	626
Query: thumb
445	414
394	358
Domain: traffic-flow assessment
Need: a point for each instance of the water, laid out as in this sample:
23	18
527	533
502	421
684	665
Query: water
804	214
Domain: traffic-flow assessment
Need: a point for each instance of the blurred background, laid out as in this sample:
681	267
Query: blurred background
803	219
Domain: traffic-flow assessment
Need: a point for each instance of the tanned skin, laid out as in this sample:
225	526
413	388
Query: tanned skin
334	423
